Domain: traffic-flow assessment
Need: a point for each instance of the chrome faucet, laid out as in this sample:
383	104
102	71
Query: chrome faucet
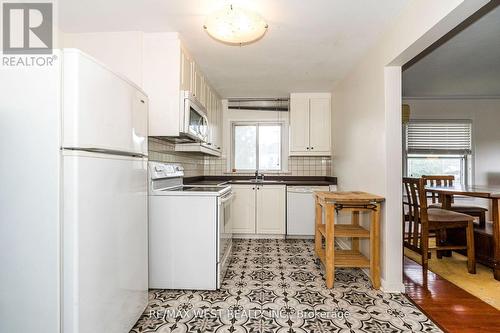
259	177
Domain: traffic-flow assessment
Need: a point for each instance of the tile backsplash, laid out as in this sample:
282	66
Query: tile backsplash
310	165
297	166
163	151
200	165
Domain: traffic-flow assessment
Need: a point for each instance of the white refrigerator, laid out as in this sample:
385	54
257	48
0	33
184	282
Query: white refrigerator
73	198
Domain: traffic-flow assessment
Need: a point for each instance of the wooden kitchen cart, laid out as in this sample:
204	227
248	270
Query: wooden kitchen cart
355	203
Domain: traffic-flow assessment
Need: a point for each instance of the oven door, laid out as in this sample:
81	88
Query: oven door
225	233
195	121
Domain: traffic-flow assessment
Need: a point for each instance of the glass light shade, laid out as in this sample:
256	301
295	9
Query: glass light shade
235	26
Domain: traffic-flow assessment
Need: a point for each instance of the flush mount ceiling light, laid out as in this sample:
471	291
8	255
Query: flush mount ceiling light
235	26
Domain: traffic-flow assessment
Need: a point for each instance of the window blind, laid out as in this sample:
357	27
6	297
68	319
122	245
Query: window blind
439	137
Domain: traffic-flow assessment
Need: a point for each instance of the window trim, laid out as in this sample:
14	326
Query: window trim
281	124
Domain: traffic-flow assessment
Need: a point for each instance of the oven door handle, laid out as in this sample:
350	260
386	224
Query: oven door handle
227	198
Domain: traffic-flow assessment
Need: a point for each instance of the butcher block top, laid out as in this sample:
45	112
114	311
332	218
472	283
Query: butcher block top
349	196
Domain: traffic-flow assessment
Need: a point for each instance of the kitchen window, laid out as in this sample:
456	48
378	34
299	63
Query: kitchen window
257	146
439	148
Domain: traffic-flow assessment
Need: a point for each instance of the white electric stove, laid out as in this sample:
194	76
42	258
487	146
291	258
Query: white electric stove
190	231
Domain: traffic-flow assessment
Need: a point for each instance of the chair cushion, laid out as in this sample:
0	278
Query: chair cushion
443	215
462	208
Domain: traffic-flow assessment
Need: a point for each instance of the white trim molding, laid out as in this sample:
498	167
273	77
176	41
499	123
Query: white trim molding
393	288
452	97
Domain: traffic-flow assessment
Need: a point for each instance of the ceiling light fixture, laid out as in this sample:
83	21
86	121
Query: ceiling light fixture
235	26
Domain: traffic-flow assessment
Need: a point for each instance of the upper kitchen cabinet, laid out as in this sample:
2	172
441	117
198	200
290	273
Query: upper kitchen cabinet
215	120
186	71
213	104
199	88
220	123
310	124
212	116
162	80
169	71
299	124
320	125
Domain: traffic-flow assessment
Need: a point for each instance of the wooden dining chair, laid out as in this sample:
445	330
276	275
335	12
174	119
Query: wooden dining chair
447	180
421	220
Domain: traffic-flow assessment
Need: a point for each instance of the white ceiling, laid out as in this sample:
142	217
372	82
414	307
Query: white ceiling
310	44
467	65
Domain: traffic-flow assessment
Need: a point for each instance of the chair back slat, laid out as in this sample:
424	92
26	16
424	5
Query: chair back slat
437	180
415	211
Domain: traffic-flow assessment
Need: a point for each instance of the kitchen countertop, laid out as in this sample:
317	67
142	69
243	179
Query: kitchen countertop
268	180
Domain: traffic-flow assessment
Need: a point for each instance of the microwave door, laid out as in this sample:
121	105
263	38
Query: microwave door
195	119
204	129
198	124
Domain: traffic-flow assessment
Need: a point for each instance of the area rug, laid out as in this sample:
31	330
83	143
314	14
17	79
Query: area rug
454	269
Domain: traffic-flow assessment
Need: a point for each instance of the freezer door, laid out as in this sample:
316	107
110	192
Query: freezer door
105	242
101	110
29	198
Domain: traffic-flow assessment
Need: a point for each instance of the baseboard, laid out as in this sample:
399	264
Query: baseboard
299	237
393	288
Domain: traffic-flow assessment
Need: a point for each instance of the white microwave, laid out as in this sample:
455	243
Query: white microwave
194	121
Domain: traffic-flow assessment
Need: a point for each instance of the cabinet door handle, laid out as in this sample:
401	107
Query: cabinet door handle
312	147
307	148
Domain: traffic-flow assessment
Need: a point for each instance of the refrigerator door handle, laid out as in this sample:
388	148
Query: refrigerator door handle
108	151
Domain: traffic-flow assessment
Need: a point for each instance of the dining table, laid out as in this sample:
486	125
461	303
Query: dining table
446	193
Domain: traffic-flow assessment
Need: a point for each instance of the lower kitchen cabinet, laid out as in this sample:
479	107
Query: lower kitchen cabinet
271	208
259	209
244	209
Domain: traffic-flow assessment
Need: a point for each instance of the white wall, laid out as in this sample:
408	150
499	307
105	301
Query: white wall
485	116
367	117
120	51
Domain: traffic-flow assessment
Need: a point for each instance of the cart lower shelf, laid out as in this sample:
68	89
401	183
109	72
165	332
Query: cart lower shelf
346	230
346	258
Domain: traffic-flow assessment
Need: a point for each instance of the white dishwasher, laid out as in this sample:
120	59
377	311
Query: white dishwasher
300	209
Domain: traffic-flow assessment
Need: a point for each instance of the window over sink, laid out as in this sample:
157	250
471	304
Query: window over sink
257	146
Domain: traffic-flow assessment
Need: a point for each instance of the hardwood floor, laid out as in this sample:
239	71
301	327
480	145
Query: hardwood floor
452	308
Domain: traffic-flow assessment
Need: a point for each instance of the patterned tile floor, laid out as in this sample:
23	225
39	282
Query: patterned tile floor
277	286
